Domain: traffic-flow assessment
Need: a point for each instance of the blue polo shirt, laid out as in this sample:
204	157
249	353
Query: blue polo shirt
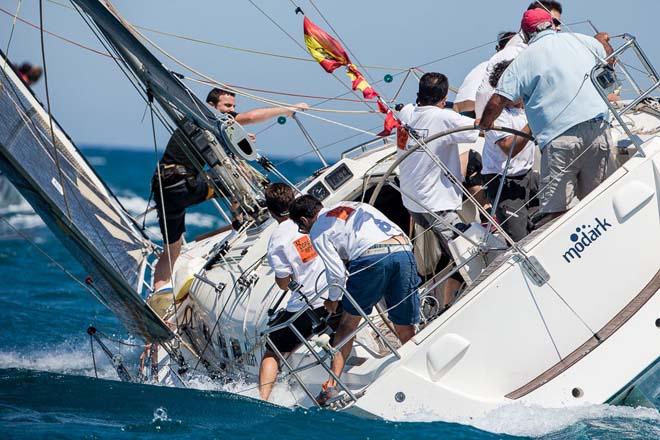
552	77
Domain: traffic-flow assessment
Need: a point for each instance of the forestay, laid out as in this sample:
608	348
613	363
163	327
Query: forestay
76	206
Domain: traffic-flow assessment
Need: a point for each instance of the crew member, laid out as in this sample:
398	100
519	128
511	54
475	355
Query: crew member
513	47
512	208
467	93
379	264
431	197
564	110
291	257
183	186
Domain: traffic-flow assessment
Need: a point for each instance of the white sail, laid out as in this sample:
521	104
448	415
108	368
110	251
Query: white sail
64	190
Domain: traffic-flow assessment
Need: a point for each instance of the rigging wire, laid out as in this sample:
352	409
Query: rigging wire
304	49
52	259
50	116
311	2
11	32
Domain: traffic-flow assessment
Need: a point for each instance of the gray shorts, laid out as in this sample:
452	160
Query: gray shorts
442	228
573	164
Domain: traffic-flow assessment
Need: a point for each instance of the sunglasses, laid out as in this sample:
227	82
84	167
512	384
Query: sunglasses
556	22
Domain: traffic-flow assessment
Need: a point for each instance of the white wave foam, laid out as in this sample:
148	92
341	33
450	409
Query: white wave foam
68	358
534	421
26	221
97	161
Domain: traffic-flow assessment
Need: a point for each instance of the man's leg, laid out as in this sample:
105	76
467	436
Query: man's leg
557	190
598	163
267	374
347	325
162	273
404	332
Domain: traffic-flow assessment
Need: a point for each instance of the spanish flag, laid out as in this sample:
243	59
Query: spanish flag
323	48
331	55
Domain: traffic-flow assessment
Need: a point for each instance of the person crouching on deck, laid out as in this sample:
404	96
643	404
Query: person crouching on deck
432	197
367	252
292	257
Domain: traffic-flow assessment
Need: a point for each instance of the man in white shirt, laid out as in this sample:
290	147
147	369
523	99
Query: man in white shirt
292	257
371	255
430	195
512	207
467	92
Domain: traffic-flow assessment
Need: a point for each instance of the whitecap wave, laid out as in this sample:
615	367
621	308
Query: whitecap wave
68	358
534	421
25	221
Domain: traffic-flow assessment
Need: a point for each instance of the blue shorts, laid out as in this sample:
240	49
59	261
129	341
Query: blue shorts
392	276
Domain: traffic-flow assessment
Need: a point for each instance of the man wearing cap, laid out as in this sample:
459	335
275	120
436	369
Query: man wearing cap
565	112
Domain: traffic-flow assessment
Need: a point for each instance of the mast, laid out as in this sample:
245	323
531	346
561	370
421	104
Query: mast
212	138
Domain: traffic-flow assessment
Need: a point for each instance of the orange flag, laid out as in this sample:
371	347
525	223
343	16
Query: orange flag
331	55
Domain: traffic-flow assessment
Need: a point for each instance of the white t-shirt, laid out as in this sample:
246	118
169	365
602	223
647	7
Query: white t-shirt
291	253
485	90
493	157
468	90
421	178
342	232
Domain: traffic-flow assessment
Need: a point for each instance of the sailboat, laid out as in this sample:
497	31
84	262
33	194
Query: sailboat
565	317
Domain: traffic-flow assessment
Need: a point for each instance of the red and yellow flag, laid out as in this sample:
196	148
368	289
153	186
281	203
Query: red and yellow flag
331	55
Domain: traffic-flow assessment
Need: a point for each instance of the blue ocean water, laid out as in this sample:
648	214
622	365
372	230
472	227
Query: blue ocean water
47	383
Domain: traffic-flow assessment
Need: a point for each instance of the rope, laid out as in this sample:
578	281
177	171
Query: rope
163	213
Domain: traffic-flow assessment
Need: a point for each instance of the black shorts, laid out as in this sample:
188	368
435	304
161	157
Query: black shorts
286	341
512	210
473	170
177	196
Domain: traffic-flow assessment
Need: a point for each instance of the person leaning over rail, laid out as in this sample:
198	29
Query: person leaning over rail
519	179
371	255
424	185
183	186
291	256
565	112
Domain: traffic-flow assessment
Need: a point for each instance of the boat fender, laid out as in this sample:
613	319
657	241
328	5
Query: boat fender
444	353
321	341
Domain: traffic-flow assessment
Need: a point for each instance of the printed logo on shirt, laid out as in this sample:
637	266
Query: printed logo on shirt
341	212
421	133
305	249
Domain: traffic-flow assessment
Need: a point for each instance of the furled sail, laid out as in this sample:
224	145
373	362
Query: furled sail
76	205
211	138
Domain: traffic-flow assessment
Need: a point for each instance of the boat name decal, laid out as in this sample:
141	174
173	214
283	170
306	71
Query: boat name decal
584	236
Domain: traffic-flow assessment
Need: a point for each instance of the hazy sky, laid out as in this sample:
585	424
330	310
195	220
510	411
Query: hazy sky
97	106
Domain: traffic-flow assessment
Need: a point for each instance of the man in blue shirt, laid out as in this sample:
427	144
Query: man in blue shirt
565	112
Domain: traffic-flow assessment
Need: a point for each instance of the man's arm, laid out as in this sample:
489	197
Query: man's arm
604	39
517	143
263	114
283	283
335	271
493	109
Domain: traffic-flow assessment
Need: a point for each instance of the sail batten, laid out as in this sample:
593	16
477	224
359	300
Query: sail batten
76	205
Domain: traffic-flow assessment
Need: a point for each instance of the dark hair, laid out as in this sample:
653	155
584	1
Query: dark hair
498	70
433	88
546	4
304	206
214	95
279	197
503	38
